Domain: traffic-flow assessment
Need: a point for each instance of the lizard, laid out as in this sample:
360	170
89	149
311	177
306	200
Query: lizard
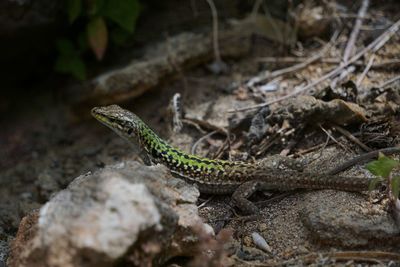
239	178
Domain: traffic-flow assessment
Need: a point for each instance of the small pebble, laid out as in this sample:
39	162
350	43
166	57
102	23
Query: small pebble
247	241
262	227
260	242
209	230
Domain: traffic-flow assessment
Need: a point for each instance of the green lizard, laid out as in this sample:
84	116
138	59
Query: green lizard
218	176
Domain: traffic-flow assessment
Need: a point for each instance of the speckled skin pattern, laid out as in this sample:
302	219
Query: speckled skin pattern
216	176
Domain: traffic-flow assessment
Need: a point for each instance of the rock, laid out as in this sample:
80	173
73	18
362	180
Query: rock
9	218
46	185
3	253
310	110
347	219
160	62
313	20
126	212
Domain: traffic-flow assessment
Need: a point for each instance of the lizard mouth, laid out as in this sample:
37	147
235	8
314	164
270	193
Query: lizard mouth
98	114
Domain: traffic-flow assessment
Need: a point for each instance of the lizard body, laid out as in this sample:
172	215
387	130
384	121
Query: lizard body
218	176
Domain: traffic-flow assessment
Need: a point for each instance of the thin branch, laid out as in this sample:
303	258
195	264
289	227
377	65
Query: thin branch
350	47
352	138
332	138
384	63
364	73
343	75
201	139
205	202
215	30
390	81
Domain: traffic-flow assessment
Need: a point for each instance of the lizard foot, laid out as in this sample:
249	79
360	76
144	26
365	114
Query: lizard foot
243	192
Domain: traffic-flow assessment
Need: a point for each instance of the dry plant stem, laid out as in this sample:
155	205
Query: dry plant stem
352	138
256	7
373	46
205	125
201	139
215	30
363	158
301	65
385	63
364	73
390	81
205	202
294	60
333	138
195	125
350	47
343	75
220	150
265	145
313	148
176	109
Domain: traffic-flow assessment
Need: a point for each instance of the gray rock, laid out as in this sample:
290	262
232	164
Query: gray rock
125	212
46	185
348	220
140	75
9	218
3	253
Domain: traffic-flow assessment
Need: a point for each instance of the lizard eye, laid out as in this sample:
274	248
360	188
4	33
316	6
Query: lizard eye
130	130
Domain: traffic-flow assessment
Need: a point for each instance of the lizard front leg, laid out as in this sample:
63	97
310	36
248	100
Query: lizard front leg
246	190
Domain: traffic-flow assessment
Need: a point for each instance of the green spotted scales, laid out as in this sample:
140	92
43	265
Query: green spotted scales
216	176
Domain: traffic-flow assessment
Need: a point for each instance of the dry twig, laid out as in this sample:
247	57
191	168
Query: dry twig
352	138
382	64
350	47
201	139
390	81
333	138
215	30
364	73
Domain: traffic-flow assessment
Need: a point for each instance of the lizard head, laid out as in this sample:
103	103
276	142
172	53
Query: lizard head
121	121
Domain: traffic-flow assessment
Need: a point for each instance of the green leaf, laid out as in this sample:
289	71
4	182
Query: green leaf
69	60
65	47
74	9
374	182
383	166
71	65
395	186
119	35
82	41
122	12
93	6
97	36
